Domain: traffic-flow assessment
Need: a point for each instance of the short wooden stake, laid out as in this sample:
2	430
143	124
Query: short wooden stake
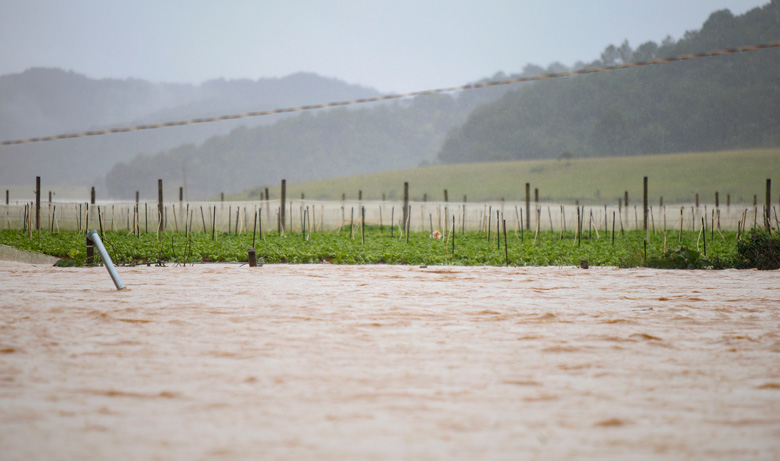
90	252
252	257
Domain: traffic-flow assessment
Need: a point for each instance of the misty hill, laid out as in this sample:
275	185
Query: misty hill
718	103
709	104
312	145
44	101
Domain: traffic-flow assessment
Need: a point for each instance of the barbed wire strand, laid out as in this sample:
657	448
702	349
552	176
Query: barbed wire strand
684	57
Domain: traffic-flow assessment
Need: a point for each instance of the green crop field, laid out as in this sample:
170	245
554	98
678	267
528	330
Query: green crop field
675	177
378	245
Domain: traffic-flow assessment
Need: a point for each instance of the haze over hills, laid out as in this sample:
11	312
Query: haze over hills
710	104
720	103
311	145
44	101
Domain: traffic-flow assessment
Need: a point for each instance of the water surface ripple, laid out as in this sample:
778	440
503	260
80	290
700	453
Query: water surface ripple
388	362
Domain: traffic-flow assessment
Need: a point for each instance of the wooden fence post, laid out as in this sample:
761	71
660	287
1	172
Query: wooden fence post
644	202
282	205
38	204
767	209
159	206
528	206
406	204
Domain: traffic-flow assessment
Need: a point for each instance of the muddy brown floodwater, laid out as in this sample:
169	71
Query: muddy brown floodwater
388	362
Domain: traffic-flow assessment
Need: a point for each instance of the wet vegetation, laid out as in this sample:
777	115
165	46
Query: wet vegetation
761	250
691	250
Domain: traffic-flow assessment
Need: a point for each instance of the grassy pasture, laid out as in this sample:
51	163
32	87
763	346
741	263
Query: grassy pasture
675	177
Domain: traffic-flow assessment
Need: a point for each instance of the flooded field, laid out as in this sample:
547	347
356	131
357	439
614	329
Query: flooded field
388	362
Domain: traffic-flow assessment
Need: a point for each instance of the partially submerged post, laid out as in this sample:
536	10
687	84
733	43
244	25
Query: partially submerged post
90	252
252	257
106	259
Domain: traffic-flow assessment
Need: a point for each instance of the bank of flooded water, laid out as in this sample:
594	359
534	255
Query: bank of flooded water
356	362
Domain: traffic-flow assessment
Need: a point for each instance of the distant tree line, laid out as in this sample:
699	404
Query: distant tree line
707	104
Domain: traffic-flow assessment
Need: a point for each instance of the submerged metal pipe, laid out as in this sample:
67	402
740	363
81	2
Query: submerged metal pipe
93	234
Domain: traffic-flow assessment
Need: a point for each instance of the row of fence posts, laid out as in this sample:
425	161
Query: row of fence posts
282	216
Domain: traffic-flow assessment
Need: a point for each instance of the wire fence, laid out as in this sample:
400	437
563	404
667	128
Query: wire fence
265	216
685	57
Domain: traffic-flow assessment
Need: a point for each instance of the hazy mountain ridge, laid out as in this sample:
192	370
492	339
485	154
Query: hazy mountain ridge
45	101
708	104
635	111
312	145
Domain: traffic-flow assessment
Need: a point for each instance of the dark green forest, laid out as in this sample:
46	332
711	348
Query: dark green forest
708	104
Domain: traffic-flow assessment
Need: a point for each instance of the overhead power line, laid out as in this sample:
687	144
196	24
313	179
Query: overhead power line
685	57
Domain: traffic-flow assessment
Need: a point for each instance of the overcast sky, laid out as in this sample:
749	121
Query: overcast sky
393	46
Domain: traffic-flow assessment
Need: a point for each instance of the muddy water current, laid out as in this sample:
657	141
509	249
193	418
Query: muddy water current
388	362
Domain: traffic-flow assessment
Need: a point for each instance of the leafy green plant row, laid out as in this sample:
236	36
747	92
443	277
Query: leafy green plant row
629	249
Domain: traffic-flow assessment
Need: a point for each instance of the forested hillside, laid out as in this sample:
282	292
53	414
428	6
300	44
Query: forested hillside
707	104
